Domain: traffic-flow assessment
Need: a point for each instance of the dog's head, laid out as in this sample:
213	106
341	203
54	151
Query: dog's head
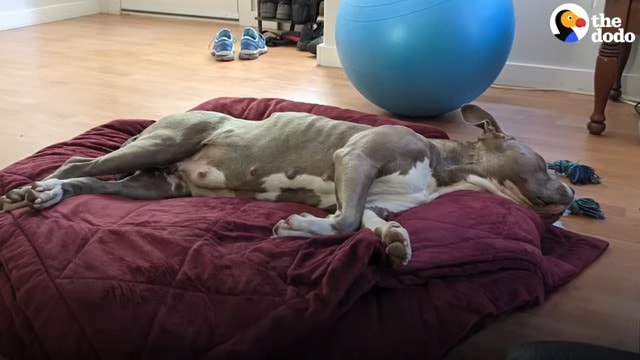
515	170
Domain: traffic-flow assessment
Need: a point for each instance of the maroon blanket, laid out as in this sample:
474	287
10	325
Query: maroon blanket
106	277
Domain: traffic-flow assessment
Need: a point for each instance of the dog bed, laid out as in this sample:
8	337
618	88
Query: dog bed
106	277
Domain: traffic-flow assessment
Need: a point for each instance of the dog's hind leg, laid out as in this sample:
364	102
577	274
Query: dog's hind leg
394	237
162	144
141	185
145	153
165	142
169	140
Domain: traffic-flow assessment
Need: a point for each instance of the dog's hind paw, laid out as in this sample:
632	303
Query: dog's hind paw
396	243
7	204
14	199
38	196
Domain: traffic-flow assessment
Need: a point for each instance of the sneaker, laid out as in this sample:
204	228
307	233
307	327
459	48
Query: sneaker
313	45
222	48
309	33
252	44
268	8
284	10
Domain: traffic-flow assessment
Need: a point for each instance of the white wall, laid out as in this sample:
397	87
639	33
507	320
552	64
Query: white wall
110	6
18	13
326	52
537	59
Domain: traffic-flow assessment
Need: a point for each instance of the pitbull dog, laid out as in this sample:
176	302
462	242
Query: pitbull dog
359	173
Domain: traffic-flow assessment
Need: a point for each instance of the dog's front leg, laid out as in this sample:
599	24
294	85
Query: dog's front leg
354	174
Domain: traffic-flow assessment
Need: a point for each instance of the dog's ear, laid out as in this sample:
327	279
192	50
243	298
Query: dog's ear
476	116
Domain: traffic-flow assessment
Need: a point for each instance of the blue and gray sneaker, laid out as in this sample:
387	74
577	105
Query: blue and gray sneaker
252	44
222	48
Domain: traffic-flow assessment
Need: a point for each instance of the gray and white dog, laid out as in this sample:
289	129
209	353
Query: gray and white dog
359	173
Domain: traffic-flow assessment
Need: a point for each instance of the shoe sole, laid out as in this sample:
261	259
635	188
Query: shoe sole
223	56
251	54
303	45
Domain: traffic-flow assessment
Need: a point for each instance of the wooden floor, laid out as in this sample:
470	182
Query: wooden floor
60	79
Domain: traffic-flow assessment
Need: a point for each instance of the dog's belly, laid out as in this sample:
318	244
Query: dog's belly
305	189
288	157
205	180
393	192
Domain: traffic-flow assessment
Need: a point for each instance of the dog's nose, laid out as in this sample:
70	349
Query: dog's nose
568	190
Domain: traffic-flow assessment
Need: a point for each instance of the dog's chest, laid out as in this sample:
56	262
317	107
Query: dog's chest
402	191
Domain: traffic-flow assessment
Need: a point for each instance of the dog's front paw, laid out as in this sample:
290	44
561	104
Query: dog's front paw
304	225
396	243
290	227
280	228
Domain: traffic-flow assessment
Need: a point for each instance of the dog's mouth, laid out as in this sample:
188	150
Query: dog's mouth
549	211
552	209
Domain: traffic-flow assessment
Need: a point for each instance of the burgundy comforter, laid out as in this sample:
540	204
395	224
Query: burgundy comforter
106	277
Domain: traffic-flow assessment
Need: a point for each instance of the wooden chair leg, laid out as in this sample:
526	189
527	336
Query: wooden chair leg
616	91
605	75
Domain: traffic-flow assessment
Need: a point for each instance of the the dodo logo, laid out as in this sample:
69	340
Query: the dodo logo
569	22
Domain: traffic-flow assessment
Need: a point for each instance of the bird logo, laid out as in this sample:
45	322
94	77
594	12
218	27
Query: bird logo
569	23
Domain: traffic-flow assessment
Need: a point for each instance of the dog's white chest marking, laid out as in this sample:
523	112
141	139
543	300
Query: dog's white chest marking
275	184
397	192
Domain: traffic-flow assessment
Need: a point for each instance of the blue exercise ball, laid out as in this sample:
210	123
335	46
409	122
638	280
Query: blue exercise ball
423	58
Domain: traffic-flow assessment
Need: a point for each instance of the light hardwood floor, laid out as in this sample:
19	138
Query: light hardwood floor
60	79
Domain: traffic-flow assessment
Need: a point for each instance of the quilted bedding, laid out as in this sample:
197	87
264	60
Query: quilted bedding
105	277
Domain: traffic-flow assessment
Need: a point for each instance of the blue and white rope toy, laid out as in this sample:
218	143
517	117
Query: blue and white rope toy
579	174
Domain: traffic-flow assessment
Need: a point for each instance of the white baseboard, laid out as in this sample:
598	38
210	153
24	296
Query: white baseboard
327	56
34	16
540	76
528	75
571	79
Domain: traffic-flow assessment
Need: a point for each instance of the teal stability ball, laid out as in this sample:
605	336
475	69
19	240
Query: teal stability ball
423	58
